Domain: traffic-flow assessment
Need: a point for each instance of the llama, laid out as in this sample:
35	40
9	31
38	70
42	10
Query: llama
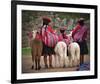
37	46
61	55
74	52
36	50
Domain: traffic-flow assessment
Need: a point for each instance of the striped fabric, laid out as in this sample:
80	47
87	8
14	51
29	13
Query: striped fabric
49	39
80	34
67	40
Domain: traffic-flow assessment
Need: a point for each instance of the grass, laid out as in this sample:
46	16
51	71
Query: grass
26	51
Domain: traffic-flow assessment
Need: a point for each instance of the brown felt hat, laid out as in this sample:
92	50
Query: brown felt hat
46	19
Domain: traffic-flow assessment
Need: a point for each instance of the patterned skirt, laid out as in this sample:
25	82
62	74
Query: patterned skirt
83	47
47	50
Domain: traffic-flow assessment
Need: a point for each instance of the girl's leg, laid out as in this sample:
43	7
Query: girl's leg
50	61
81	59
45	61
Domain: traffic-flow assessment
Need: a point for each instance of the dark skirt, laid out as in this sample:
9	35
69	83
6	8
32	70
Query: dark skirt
83	47
47	50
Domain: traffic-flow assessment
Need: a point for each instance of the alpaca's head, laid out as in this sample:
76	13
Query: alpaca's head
32	34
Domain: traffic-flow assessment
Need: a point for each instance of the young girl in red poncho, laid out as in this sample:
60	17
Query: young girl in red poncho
63	36
47	50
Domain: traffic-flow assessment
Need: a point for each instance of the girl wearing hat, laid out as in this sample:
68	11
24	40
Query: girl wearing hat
47	50
63	36
82	41
46	22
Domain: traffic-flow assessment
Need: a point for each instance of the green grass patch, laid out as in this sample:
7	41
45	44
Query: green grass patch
26	51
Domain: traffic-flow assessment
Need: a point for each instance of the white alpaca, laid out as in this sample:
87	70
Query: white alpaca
74	54
61	55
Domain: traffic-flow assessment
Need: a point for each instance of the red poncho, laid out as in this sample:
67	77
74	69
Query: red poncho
64	38
49	37
79	33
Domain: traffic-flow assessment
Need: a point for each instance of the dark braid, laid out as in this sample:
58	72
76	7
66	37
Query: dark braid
41	29
46	27
62	32
63	35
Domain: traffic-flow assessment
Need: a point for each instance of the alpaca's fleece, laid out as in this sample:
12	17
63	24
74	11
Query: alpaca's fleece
61	55
74	54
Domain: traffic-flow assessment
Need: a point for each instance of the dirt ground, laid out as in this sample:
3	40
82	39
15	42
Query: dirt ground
27	63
